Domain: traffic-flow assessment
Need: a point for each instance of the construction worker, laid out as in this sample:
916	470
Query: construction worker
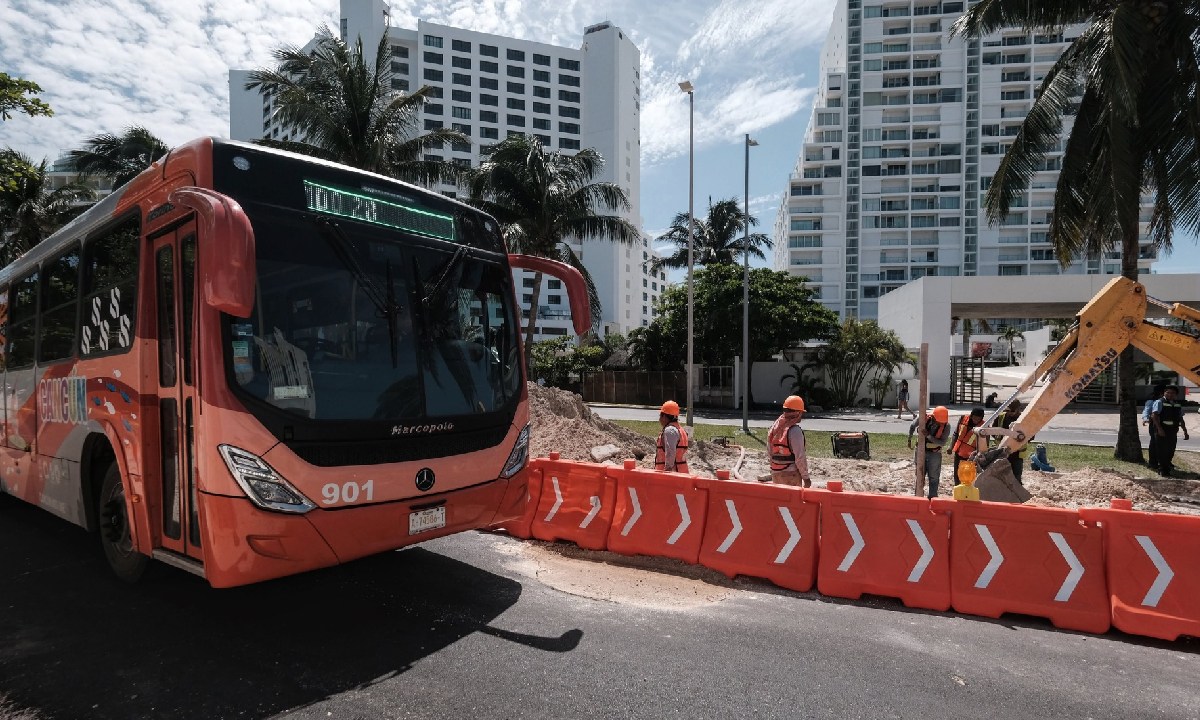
1011	414
964	442
785	445
671	452
937	426
1167	416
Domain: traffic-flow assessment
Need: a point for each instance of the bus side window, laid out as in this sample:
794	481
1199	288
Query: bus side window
109	316
22	325
3	329
60	296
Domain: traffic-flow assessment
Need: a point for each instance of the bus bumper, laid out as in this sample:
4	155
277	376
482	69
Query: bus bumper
244	544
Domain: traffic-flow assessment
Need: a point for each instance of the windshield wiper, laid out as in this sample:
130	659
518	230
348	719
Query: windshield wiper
384	302
452	263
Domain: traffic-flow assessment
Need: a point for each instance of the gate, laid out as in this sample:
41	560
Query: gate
966	380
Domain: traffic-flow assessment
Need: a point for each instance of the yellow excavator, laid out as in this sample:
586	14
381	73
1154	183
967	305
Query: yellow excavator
1112	320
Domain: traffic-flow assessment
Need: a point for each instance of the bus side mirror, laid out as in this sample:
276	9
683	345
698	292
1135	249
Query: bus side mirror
226	250
581	309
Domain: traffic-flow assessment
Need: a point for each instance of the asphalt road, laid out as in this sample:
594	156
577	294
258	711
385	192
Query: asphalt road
1102	431
462	627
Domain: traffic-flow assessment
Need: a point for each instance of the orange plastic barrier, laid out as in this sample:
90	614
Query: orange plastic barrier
1032	560
1153	570
887	545
576	503
765	531
522	526
657	513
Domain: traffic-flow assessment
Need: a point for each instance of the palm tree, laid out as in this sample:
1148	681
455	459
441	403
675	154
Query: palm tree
119	157
341	107
545	198
1136	132
719	238
968	327
31	209
1010	335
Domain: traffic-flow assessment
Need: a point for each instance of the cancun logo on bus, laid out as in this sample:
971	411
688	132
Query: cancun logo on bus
63	400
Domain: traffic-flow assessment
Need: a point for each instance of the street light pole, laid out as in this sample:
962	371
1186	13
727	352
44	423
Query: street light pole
687	87
746	297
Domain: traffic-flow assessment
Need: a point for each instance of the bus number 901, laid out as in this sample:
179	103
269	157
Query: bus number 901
350	492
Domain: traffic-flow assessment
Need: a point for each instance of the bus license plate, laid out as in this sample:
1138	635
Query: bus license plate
429	519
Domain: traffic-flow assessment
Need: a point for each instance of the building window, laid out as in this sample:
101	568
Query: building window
565	64
435	109
541	76
515	71
460	96
460	79
571	128
489	83
488	66
462	113
543	108
489	51
399	51
554	299
516	88
488	116
541	123
400	84
489	133
541	59
515	104
435	92
460	46
433	41
568	111
517	55
568	96
516	120
461	62
542	92
434	75
485	99
571	80
433	124
433	58
552	284
568	143
400	67
462	128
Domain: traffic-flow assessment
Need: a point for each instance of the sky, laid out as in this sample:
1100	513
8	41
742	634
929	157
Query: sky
164	64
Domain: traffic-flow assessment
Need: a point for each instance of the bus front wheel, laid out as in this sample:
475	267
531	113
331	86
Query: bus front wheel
115	537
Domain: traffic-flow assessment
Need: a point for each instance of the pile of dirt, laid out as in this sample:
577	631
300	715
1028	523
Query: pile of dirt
562	423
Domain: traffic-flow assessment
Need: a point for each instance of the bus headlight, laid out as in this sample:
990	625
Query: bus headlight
519	455
266	488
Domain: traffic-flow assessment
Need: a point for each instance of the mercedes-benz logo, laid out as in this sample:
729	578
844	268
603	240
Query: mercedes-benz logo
425	479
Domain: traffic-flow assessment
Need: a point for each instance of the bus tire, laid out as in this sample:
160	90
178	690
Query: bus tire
115	538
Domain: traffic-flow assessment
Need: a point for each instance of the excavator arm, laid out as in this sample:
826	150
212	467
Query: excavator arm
1112	320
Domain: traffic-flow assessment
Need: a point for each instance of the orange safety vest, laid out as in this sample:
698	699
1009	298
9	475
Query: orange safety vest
660	454
935	429
965	444
779	450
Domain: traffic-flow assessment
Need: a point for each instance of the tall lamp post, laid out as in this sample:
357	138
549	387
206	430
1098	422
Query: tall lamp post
746	297
686	86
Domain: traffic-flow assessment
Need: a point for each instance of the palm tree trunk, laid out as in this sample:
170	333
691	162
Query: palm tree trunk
533	318
1129	437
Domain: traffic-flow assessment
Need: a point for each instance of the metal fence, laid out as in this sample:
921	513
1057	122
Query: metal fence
634	387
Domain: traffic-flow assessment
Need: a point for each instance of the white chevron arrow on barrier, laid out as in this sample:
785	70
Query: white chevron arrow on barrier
1072	579
985	577
557	500
683	523
637	513
856	548
591	513
926	551
793	536
737	527
1165	573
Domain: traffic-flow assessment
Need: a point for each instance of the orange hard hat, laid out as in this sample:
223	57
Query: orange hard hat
670	407
941	414
794	402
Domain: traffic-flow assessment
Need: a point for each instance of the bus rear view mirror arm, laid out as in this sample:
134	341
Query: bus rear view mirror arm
226	250
581	309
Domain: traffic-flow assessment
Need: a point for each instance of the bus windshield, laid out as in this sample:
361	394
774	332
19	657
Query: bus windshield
356	321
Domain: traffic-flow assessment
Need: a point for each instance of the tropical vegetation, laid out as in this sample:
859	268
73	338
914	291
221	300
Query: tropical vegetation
31	208
339	105
1130	81
717	239
861	351
119	157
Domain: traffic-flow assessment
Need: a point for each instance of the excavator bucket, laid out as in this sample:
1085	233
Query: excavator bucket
996	483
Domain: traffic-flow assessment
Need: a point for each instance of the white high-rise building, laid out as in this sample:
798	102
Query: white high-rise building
489	87
907	130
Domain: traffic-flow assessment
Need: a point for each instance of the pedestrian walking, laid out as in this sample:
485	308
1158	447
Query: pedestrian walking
902	401
670	454
937	426
785	445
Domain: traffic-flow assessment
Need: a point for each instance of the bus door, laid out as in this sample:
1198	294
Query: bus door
174	270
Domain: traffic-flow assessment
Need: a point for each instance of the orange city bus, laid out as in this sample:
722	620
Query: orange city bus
248	363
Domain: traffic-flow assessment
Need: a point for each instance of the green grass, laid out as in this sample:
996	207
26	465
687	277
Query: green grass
890	447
